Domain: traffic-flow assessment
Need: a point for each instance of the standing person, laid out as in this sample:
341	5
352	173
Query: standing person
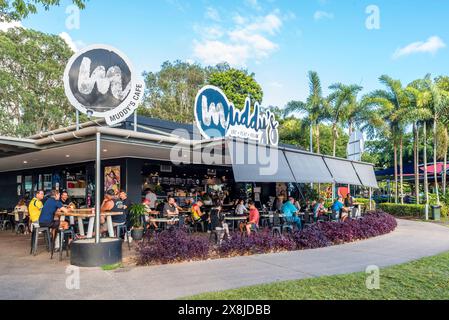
35	206
217	222
122	204
241	210
289	211
254	217
152	198
112	204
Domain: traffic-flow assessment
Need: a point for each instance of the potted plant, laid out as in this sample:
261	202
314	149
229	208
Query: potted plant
137	215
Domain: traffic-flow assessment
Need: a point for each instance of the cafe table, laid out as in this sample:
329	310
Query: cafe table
81	214
165	221
235	220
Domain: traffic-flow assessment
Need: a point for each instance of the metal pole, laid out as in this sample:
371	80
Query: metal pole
77	120
370	196
311	147
97	188
135	121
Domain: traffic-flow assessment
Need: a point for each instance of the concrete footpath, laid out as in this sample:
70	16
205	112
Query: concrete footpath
26	277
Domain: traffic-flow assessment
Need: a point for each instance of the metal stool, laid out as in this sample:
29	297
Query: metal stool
35	238
123	229
62	235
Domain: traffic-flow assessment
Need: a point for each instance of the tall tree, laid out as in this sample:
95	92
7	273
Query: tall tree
237	85
443	84
19	9
314	108
390	104
32	95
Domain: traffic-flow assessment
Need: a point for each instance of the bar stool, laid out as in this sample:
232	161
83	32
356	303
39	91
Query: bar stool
69	233
123	229
35	237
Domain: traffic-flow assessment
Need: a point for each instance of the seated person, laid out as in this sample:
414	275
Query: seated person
197	215
50	213
339	208
319	209
170	209
217	222
22	209
241	210
108	205
253	221
349	202
289	211
150	214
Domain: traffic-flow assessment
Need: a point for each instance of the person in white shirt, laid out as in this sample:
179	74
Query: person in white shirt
240	210
152	198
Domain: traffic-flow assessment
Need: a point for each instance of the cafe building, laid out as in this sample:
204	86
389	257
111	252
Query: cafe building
138	155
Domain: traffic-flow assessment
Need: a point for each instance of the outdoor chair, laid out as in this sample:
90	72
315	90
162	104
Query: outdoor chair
287	226
7	224
335	216
35	238
123	230
64	236
276	228
182	224
20	224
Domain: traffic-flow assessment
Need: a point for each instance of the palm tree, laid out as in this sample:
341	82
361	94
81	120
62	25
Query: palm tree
342	103
443	84
390	107
314	108
437	106
417	113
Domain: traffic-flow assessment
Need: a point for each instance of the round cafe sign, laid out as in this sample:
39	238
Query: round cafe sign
100	81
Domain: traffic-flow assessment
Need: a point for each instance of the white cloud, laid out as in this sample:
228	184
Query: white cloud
212	14
5	26
239	43
74	45
276	84
432	45
320	15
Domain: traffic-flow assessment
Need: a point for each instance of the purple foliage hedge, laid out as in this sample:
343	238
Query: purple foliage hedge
172	246
176	245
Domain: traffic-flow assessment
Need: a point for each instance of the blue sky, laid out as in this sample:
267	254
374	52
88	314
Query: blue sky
278	40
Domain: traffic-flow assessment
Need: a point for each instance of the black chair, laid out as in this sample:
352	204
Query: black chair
123	230
20	224
64	236
276	227
35	238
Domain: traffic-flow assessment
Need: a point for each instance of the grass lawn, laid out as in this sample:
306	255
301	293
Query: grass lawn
426	278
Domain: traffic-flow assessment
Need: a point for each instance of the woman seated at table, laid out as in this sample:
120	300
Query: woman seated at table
217	223
150	214
241	210
21	208
319	209
349	202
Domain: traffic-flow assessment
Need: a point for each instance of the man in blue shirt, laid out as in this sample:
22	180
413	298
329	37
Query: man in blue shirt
51	208
339	208
289	210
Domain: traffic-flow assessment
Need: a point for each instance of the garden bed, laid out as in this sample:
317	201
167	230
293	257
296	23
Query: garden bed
175	246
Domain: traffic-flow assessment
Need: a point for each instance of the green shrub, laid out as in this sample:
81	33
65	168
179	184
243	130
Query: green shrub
365	203
403	210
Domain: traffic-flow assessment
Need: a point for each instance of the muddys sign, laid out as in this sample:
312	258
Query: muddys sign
100	81
216	117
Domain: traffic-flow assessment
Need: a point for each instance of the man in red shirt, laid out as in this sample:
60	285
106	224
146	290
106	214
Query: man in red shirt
253	222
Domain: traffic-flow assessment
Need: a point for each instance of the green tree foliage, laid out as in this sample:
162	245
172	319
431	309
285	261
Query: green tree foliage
19	9
32	95
171	91
237	85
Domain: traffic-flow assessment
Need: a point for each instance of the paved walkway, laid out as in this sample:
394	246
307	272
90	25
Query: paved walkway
25	277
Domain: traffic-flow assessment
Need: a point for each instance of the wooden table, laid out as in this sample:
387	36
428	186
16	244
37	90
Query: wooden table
82	214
